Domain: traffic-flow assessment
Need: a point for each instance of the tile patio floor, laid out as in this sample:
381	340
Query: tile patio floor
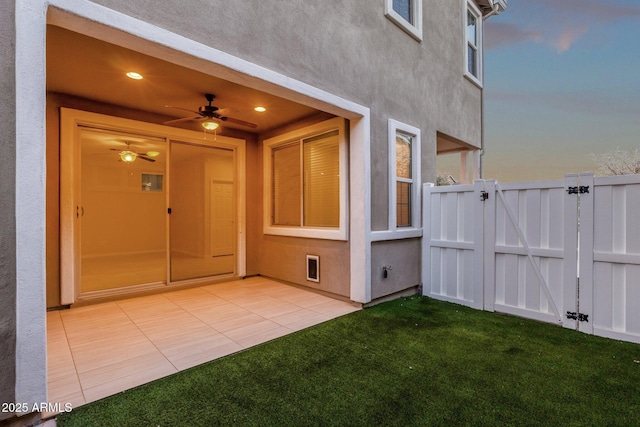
99	350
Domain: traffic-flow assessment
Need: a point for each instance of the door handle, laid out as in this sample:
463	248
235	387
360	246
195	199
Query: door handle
79	211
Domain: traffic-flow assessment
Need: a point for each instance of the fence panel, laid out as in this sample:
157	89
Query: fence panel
610	267
533	255
519	248
452	222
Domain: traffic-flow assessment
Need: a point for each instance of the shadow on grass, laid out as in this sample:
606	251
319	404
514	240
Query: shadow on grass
412	361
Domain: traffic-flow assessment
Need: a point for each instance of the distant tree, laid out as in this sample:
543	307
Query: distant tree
445	179
617	162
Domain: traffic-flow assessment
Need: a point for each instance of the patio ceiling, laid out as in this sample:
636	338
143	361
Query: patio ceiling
89	68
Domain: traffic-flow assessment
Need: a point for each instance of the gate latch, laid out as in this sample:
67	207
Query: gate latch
484	195
578	190
580	317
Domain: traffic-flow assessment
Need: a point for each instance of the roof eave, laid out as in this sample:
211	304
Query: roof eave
492	7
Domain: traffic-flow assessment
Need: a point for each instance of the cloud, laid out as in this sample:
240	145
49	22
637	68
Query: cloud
503	33
594	103
563	41
558	23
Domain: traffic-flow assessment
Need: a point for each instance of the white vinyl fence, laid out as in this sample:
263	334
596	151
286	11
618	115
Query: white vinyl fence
565	252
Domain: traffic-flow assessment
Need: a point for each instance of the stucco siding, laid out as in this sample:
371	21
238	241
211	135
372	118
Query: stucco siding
350	49
403	258
7	201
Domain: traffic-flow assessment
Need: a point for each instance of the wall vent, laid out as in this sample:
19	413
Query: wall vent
313	268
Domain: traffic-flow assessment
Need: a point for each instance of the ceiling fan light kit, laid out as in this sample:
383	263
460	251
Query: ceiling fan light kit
210	115
128	156
210	125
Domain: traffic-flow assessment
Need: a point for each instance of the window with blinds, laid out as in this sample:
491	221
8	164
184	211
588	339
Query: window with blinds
306	182
286	185
321	167
404	180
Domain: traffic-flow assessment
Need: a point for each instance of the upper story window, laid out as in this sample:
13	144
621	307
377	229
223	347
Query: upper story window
473	41
404	176
407	14
403	8
305	182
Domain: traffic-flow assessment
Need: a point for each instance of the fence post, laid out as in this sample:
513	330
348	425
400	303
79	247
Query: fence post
426	237
570	249
486	236
585	251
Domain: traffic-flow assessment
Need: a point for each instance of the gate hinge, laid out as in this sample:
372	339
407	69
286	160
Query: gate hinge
484	195
580	317
578	190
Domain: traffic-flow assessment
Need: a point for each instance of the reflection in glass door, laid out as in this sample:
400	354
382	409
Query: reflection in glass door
122	210
202	211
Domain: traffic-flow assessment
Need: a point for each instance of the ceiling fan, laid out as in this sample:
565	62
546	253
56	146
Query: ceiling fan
210	115
129	156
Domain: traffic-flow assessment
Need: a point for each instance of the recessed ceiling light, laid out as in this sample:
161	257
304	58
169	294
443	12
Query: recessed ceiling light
260	109
133	75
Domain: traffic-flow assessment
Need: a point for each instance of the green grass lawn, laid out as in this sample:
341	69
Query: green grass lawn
412	361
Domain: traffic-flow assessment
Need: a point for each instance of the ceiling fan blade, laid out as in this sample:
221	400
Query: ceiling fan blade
238	122
227	110
180	108
146	158
185	119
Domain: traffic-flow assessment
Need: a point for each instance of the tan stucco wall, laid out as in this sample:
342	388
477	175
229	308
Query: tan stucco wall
403	256
352	50
349	49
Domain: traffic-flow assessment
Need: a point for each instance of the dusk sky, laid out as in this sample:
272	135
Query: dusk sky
562	81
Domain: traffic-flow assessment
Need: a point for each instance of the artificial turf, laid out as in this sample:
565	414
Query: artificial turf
412	361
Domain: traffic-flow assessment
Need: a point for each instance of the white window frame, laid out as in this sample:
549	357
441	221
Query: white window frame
415	230
414	29
471	7
329	233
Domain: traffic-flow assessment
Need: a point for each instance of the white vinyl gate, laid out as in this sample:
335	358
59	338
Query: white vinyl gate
565	252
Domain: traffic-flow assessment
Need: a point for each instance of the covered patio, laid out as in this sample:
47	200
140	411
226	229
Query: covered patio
103	349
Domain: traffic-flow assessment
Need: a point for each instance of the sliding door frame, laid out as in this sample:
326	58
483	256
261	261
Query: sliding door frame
70	120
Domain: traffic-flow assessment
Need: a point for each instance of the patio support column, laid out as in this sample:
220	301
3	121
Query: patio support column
464	172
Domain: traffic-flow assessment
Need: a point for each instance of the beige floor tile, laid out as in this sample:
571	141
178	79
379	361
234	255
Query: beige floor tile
220	313
74	400
188	360
251	330
126	369
65	386
271	334
99	350
333	308
94	357
237	322
194	299
269	311
148	308
115	385
311	300
308	321
177	327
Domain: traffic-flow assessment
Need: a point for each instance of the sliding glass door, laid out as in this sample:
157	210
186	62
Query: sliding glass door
122	210
202	236
145	206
